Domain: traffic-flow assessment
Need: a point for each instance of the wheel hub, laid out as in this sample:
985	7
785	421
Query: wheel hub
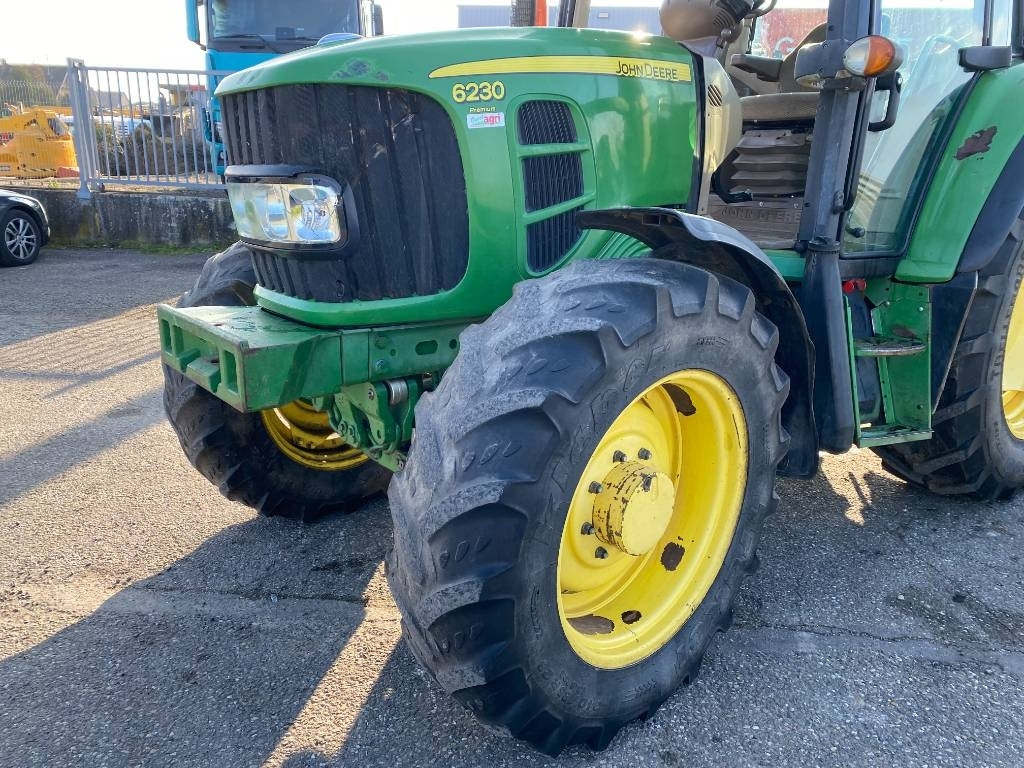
19	238
637	554
306	436
633	507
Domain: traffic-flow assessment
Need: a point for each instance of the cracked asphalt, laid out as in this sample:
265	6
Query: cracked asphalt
145	620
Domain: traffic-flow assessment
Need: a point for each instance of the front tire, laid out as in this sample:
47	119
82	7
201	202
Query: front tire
584	495
284	462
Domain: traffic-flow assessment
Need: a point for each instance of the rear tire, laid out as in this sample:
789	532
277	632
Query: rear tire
484	511
973	449
234	450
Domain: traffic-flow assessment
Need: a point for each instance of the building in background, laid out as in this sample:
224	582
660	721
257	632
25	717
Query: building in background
601	17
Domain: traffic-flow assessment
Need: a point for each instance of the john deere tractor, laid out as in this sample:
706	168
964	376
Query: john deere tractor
586	293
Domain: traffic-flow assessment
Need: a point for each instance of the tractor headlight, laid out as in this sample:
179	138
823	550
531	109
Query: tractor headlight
295	213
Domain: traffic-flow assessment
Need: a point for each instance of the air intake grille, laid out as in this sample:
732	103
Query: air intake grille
397	151
546	122
715	96
552	179
549	240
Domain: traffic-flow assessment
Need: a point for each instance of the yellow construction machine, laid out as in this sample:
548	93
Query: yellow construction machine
35	144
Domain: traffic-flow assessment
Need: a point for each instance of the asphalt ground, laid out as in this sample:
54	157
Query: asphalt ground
145	620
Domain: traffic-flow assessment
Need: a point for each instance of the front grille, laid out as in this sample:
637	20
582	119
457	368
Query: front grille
398	152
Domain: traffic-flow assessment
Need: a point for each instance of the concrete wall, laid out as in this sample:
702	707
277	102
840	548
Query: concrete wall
151	218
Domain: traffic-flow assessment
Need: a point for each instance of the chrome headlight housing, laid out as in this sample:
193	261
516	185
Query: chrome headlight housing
294	211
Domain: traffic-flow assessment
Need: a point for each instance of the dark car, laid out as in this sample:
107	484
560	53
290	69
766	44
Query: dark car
24	228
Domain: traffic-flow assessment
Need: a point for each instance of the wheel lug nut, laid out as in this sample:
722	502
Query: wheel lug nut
643	454
596	487
587	529
618	457
600	553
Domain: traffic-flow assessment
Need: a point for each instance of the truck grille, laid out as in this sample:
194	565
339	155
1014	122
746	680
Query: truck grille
398	152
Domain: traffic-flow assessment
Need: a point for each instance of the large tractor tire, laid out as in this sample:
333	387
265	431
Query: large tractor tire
977	446
286	461
584	495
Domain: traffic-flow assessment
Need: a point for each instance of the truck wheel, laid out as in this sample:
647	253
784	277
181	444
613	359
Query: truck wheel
584	495
977	445
286	461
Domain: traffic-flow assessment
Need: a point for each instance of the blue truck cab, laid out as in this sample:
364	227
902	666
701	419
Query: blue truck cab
236	34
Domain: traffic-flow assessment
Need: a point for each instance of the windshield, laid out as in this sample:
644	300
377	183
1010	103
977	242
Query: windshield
778	33
280	26
638	17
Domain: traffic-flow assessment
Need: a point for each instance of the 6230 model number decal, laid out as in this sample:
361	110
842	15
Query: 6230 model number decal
463	93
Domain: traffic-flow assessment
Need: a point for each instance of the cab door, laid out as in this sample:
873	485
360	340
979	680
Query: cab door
898	159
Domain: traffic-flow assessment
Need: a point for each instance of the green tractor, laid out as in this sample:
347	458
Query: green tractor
579	296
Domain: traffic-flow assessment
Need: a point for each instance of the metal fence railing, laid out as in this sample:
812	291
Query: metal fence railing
142	127
19	94
129	127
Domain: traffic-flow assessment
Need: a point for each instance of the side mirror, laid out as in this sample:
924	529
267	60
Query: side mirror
192	20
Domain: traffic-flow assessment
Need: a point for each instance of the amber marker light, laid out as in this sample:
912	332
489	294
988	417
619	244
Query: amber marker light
872	56
540	13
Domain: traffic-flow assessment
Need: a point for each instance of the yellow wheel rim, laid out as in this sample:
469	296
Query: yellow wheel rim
652	519
305	436
1013	372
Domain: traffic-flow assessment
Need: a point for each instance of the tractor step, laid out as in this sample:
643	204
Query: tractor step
887	346
887	434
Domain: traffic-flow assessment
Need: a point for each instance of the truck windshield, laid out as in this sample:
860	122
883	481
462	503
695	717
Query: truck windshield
280	26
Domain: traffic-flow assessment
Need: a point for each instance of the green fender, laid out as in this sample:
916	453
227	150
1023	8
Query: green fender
718	248
985	141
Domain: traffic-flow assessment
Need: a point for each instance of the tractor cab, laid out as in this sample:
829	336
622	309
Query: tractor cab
760	187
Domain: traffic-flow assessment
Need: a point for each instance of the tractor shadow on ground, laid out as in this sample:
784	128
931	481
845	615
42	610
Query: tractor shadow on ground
216	659
208	662
857	551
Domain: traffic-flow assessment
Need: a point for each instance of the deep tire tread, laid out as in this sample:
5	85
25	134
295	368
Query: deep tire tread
484	441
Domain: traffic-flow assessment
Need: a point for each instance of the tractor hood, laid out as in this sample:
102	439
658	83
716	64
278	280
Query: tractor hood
408	58
460	160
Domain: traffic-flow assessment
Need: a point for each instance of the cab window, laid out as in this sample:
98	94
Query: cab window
895	162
